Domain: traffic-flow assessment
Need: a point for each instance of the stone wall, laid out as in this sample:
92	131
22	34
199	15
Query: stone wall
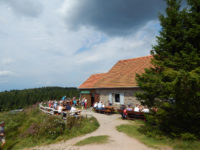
129	97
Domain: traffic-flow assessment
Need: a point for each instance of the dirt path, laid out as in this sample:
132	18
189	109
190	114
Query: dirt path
108	123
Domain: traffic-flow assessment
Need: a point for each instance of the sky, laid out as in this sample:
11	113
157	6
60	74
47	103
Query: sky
63	42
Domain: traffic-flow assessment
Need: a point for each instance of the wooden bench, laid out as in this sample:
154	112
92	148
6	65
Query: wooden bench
132	114
76	114
135	115
107	110
120	111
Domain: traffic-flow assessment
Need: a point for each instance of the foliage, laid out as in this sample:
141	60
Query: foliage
93	140
33	127
16	99
140	131
173	84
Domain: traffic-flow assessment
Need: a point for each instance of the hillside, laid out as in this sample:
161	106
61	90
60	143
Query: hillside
16	99
33	127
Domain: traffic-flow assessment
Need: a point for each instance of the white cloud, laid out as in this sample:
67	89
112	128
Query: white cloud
4	73
138	44
42	51
7	61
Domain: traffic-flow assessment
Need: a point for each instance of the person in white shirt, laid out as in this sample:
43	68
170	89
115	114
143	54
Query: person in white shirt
55	105
95	105
136	109
103	106
145	110
129	108
99	105
73	109
74	112
60	108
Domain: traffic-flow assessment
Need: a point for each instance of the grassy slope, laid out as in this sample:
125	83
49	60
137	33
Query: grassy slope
160	142
93	140
32	127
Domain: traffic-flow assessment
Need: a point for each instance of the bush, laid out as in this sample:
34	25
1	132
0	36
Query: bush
32	127
188	137
51	127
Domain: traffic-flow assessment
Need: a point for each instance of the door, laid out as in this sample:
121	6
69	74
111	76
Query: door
96	97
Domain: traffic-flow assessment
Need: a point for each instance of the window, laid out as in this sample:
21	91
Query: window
117	98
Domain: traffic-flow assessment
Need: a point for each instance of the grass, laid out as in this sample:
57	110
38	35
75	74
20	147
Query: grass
93	140
32	128
133	130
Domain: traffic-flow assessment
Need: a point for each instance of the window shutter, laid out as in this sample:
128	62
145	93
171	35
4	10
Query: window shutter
121	98
110	98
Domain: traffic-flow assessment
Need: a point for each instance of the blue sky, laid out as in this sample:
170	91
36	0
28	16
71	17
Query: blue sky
63	42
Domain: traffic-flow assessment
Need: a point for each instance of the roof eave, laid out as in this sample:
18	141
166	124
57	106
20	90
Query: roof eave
108	88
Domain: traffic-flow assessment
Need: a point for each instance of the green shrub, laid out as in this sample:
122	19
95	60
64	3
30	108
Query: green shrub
32	127
51	127
188	137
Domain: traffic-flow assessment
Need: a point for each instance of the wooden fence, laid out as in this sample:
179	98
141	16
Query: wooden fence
52	111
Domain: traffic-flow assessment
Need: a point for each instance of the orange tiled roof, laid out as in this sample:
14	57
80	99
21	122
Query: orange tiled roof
90	82
121	75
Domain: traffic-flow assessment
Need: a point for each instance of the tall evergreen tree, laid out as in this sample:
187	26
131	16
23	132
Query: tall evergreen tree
176	72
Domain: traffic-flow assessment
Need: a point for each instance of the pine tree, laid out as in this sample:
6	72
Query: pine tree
176	72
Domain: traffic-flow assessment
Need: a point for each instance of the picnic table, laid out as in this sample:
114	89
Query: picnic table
132	114
106	110
76	113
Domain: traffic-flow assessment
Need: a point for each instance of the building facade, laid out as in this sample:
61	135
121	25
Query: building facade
118	85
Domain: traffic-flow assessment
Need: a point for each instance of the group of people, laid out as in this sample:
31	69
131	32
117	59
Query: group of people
99	105
137	108
63	104
54	103
67	104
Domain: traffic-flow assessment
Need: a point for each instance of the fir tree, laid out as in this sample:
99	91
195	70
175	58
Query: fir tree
176	72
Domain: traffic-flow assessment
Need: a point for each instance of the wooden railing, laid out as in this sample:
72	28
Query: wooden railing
52	111
48	110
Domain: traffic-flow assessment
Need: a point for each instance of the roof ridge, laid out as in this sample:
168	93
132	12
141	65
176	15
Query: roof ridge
134	58
98	73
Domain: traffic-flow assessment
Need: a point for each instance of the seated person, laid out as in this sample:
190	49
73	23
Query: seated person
74	112
55	105
95	104
122	107
49	103
73	109
129	108
141	108
154	109
103	106
60	109
124	114
68	107
99	105
136	109
145	110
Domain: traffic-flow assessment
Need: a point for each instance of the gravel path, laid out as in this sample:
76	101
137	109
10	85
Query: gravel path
108	123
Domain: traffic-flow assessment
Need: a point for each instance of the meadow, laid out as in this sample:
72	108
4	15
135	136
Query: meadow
34	128
136	129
